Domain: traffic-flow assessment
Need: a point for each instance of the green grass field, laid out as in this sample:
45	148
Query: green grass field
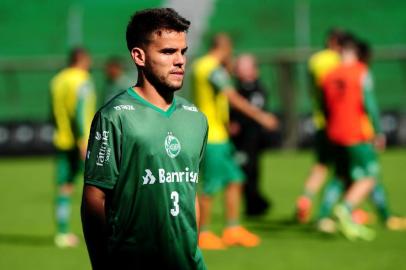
26	222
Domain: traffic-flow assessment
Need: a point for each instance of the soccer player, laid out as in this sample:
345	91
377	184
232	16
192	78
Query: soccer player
139	205
319	65
247	135
378	196
352	117
116	79
212	91
73	106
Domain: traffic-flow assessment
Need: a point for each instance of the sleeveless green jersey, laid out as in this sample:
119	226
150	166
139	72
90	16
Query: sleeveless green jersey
149	160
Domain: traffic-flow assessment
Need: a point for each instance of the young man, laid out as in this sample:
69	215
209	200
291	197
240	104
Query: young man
139	207
352	117
319	65
73	106
213	90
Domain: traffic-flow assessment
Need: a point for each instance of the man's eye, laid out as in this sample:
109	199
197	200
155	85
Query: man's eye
168	51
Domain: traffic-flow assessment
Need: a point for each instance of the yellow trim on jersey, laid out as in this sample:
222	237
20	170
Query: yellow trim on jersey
320	64
67	88
213	104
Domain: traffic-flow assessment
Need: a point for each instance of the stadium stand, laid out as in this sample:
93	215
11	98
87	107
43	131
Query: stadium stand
38	35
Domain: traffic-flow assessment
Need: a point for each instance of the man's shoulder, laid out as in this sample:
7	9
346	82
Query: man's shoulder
187	106
117	105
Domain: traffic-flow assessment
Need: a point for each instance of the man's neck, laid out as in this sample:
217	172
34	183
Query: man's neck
160	99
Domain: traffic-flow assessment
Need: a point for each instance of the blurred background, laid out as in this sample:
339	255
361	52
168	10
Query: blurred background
37	35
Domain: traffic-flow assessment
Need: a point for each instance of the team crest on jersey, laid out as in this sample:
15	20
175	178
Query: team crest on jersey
172	145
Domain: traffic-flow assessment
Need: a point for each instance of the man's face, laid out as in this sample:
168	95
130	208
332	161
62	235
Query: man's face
165	59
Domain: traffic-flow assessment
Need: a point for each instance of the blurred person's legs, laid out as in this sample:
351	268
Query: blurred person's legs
363	168
331	196
221	172
316	178
249	148
68	165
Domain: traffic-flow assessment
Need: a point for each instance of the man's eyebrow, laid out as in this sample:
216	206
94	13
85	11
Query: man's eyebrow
167	49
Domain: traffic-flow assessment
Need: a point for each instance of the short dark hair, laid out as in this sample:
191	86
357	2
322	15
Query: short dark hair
114	61
75	54
336	35
145	22
349	42
364	51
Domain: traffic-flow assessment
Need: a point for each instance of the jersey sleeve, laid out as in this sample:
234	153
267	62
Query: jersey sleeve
203	150
370	103
85	109
220	79
103	153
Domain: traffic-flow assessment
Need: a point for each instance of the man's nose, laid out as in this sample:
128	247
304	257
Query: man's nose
180	59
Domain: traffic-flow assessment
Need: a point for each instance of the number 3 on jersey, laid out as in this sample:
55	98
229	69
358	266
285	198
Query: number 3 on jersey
175	199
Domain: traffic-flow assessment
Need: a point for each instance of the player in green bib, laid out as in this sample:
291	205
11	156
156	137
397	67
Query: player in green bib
145	147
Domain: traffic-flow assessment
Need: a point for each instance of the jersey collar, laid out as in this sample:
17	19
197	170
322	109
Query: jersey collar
166	113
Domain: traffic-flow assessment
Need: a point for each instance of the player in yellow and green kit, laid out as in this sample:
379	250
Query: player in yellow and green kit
213	90
73	106
319	65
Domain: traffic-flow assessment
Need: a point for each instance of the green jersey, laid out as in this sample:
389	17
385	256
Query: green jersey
149	159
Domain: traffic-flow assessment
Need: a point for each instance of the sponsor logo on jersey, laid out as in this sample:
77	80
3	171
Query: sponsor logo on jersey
104	152
189	108
98	136
172	145
124	108
170	177
149	177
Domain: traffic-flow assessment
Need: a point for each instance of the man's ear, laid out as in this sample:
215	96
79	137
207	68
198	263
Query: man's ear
138	56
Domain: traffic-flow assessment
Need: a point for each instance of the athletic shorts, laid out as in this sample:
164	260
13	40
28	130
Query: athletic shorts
357	161
68	166
219	168
322	148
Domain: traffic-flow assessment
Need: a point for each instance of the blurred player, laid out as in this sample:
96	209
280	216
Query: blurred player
73	106
116	80
378	196
247	135
352	117
139	200
319	65
213	91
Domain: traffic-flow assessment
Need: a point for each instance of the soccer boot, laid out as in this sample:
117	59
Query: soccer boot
239	236
66	240
363	217
346	225
349	228
395	223
303	209
327	225
210	241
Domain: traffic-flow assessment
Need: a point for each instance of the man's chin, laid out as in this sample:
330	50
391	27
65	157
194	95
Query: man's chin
175	87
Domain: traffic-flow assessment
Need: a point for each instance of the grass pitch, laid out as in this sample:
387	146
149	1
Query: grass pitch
26	222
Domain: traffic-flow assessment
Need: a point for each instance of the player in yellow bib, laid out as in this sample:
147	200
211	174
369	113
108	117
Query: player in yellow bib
319	65
73	106
213	90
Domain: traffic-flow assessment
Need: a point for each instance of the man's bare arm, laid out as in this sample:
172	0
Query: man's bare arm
265	119
94	225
